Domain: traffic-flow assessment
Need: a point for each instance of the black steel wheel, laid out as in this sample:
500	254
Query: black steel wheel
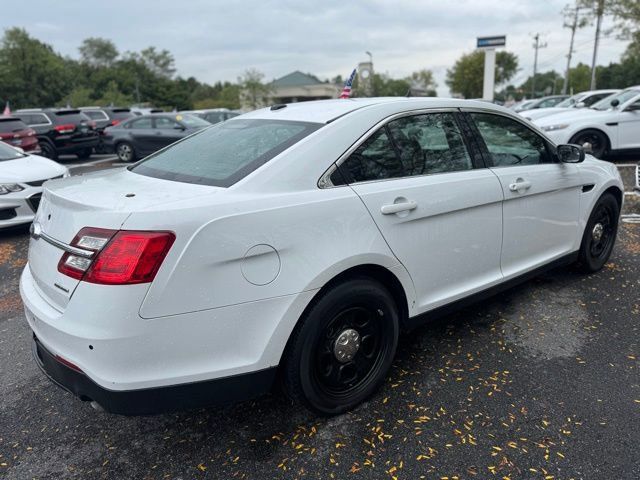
600	234
125	152
343	347
598	141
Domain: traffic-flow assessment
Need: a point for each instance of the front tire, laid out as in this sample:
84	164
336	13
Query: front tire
125	152
598	141
343	347
600	234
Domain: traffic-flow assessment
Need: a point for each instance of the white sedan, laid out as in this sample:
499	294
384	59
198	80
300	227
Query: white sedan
612	124
298	241
21	179
579	100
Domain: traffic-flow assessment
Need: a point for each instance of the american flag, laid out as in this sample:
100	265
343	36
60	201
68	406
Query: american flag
346	91
7	110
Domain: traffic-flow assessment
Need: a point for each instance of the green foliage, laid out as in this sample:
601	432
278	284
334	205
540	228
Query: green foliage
547	83
98	52
253	92
466	76
31	73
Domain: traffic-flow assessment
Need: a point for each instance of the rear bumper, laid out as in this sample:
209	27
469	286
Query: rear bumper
153	400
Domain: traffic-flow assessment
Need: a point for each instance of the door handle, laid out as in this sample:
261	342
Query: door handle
398	207
519	184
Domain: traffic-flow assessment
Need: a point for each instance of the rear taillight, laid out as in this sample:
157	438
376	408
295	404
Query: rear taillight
114	122
121	257
66	128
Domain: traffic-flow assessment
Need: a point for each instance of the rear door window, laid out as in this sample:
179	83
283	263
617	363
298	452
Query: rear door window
145	123
224	154
34	118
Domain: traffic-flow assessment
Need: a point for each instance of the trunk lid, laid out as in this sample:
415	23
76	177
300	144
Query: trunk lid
105	200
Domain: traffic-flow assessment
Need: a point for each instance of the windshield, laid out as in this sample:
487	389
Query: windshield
192	121
225	153
622	97
571	101
9	153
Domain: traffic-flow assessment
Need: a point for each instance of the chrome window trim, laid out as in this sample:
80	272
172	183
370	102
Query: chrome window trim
325	179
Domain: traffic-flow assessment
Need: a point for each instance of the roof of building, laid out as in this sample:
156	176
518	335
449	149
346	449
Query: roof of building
296	79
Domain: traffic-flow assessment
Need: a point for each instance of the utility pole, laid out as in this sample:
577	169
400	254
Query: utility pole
599	14
573	27
537	45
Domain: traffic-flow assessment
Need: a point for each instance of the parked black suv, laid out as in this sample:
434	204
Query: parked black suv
106	117
61	131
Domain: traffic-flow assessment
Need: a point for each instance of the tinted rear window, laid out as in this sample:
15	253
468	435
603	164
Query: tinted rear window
121	114
13	125
225	153
70	116
96	114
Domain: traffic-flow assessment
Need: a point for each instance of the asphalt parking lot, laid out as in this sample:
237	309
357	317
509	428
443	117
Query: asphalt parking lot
541	381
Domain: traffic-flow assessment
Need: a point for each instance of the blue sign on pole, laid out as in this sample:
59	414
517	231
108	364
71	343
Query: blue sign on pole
492	42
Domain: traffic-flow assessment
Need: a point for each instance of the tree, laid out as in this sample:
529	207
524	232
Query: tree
98	52
466	76
547	83
422	81
579	78
254	93
31	73
79	97
161	63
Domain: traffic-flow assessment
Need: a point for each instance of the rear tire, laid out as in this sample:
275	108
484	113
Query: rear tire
48	150
598	140
342	348
600	234
84	154
125	152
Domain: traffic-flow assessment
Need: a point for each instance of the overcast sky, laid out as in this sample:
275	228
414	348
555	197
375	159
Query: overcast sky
217	40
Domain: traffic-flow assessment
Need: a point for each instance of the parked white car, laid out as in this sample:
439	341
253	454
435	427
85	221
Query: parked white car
579	100
612	124
299	239
21	179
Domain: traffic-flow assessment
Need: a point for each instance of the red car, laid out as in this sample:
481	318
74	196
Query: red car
16	133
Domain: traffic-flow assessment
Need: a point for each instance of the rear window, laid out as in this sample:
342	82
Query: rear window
69	116
225	153
34	118
121	114
11	125
96	114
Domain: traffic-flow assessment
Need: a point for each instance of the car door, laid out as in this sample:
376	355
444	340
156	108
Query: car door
167	131
629	125
437	209
141	134
541	194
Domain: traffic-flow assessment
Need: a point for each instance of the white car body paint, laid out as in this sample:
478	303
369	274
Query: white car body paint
538	113
27	171
248	259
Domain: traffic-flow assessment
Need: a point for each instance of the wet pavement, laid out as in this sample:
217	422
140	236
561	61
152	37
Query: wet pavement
541	381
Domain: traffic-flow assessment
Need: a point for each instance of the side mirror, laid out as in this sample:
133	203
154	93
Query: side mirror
568	153
615	102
